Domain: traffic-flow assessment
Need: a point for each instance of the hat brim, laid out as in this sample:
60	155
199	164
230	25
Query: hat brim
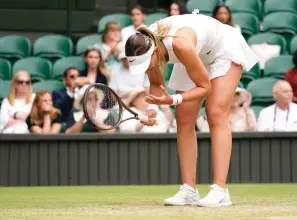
139	68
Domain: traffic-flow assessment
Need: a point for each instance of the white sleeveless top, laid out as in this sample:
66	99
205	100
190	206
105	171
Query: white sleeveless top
214	40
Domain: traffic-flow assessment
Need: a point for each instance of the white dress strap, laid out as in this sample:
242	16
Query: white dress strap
168	44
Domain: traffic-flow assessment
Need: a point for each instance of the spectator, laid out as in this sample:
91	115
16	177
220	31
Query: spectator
17	106
178	8
223	14
241	119
281	116
137	16
110	38
136	101
63	98
291	77
44	117
95	71
122	81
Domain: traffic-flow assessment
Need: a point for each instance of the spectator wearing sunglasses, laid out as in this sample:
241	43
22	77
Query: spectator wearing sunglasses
63	98
17	106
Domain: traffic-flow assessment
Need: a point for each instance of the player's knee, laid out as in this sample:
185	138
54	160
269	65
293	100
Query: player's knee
216	115
187	121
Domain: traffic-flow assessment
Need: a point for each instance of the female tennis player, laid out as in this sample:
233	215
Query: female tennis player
209	57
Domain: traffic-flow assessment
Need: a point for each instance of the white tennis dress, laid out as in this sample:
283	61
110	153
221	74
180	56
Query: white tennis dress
217	45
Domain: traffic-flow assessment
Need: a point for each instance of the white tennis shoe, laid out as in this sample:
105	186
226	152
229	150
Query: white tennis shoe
216	197
185	196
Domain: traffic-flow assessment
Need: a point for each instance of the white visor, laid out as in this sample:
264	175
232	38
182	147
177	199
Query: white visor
140	64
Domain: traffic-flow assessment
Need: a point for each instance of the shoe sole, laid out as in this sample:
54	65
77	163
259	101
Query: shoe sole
185	204
215	205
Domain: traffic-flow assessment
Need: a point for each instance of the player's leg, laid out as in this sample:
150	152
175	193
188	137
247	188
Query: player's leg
186	115
217	109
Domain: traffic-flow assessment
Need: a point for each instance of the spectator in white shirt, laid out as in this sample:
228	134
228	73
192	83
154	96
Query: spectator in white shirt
137	16
281	116
137	102
17	106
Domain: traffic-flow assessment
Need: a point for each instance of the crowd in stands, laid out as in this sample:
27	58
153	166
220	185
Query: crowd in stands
60	111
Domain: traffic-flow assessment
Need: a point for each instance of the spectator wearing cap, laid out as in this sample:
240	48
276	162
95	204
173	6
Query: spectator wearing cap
137	16
95	71
137	102
241	117
281	116
63	98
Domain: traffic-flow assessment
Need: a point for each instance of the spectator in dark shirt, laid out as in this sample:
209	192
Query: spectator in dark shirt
178	8
63	98
95	71
223	14
291	77
44	117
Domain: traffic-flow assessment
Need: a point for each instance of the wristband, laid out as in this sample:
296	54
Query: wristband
177	99
153	107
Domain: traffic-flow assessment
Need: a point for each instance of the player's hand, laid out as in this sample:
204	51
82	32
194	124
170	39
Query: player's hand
151	118
164	99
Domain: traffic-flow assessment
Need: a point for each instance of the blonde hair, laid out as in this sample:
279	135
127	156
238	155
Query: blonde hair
36	113
139	44
12	95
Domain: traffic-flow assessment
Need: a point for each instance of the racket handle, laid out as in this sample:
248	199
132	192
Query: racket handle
145	118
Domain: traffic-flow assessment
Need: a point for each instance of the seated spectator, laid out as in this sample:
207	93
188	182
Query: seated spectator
136	101
17	106
137	16
77	122
223	14
122	81
281	116
291	77
178	8
63	98
241	118
110	38
44	117
95	71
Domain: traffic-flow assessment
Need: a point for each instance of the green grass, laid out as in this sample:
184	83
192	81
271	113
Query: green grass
253	201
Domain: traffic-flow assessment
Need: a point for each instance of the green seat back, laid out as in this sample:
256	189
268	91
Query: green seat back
277	66
84	42
123	19
5	69
284	23
168	71
270	38
49	85
169	90
14	47
39	68
293	45
61	65
152	18
53	46
248	6
247	77
256	69
202	111
261	90
271	6
257	109
202	5
248	23
5	87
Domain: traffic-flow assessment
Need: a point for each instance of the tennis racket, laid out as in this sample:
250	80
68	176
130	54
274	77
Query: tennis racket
103	108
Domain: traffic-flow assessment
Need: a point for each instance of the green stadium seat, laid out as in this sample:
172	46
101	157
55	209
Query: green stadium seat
272	6
5	69
202	111
38	67
169	90
247	6
123	19
84	42
53	47
277	66
256	69
61	65
151	18
270	38
293	45
14	47
204	7
247	77
283	23
257	109
5	87
168	71
49	85
249	23
261	90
